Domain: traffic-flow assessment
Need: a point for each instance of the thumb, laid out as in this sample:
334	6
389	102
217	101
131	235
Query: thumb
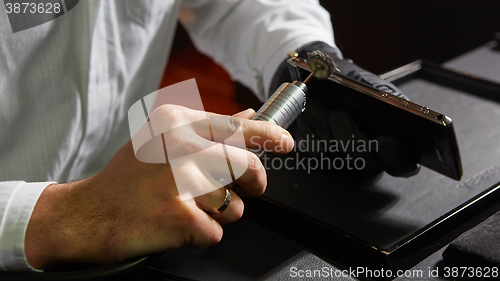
245	114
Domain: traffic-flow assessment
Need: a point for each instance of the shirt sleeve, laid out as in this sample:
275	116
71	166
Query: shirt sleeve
251	38
17	200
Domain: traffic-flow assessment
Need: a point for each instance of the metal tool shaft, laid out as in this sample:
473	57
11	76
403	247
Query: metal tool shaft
289	100
283	107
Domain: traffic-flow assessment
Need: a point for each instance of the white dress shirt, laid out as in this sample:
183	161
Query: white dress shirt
66	85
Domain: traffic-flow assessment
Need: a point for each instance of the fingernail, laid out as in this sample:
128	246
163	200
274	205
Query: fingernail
249	112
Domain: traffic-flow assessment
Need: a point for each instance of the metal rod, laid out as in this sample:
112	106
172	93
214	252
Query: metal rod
318	67
308	77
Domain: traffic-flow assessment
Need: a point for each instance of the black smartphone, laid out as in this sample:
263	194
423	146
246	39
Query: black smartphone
428	136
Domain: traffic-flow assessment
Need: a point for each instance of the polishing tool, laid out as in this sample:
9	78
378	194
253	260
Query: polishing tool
289	100
284	106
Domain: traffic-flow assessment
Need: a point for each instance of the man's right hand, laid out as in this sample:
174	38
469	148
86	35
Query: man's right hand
131	208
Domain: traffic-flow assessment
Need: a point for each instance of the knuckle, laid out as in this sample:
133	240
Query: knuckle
168	111
189	217
182	143
244	125
165	117
233	123
215	237
235	215
190	145
174	143
208	237
174	136
238	212
254	164
257	173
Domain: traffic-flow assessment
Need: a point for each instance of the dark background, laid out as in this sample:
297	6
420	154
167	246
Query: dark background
378	35
382	35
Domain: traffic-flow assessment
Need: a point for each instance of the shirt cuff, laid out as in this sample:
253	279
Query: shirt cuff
14	223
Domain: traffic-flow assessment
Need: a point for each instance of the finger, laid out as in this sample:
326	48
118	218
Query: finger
257	134
245	114
243	166
181	142
203	230
261	135
191	181
198	158
208	194
253	181
189	227
213	200
266	135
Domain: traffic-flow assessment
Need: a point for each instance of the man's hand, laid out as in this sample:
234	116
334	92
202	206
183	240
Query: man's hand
131	208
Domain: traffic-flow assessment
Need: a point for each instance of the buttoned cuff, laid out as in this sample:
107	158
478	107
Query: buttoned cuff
14	222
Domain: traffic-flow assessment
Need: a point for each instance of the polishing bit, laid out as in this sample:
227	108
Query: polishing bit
321	65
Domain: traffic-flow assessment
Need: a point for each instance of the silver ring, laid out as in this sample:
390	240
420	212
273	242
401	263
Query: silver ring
225	203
